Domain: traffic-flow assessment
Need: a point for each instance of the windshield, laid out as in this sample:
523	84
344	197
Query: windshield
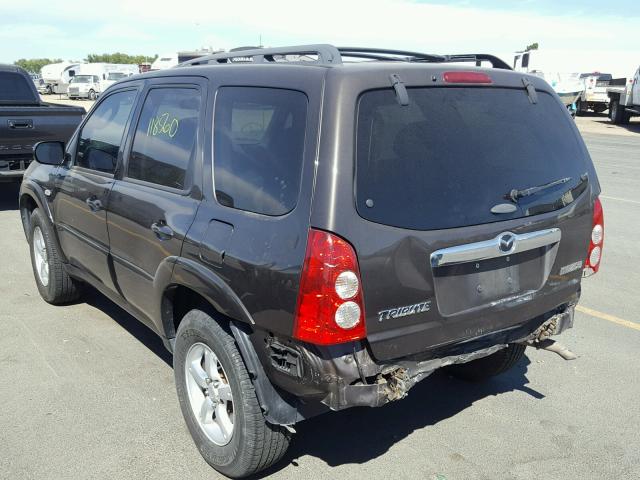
453	154
115	76
81	79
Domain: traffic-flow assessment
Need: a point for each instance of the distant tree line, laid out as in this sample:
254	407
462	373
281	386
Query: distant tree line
34	65
119	58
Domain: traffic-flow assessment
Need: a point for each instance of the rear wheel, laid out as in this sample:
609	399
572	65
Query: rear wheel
53	282
618	114
219	402
92	95
581	107
489	366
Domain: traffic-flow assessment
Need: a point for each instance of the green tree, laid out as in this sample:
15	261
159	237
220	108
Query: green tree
119	57
33	65
533	46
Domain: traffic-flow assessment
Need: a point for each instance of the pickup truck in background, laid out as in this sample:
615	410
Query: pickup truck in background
624	98
594	97
26	120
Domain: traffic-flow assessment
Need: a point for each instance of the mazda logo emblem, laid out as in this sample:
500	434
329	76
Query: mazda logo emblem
507	242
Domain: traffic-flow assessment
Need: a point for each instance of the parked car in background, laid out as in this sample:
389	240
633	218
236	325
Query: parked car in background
594	97
26	120
56	77
624	98
316	235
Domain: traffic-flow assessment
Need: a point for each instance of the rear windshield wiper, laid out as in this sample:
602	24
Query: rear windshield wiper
515	194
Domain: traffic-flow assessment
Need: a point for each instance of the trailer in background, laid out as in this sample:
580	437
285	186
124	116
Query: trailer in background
56	77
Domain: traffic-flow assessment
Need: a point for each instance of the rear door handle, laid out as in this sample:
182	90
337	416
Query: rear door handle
94	204
162	230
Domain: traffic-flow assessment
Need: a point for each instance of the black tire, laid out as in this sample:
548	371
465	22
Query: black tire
255	444
617	113
490	366
92	95
581	108
61	288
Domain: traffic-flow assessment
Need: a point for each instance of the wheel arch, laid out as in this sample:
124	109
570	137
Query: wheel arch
31	197
195	286
181	281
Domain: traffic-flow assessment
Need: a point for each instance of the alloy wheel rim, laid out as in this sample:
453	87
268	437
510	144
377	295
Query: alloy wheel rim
41	256
209	392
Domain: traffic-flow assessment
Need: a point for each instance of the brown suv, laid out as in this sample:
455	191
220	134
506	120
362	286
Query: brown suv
309	234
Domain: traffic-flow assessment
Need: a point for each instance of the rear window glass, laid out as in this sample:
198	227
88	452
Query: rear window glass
259	136
14	88
453	153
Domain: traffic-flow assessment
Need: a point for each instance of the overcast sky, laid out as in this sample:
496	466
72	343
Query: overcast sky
584	35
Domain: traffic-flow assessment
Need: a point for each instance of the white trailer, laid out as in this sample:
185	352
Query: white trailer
165	61
56	77
567	85
624	98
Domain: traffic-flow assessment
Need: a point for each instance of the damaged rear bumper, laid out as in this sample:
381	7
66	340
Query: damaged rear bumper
345	376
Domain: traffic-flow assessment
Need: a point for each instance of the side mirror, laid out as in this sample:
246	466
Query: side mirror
49	153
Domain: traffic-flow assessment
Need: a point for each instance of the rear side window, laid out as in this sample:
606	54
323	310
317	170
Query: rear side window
14	88
100	138
453	153
164	146
259	138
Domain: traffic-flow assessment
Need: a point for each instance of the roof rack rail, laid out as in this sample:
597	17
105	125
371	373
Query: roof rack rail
478	58
393	55
325	54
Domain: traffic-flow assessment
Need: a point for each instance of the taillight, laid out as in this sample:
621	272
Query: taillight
330	307
594	255
466	77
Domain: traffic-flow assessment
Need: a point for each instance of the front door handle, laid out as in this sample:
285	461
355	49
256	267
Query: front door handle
162	230
94	204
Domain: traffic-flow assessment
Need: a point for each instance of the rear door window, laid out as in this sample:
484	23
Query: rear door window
453	153
164	146
259	138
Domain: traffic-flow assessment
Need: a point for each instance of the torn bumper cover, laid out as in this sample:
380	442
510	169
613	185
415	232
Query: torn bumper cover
341	379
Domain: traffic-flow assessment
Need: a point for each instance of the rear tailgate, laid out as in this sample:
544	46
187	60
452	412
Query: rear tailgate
22	127
433	183
596	88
